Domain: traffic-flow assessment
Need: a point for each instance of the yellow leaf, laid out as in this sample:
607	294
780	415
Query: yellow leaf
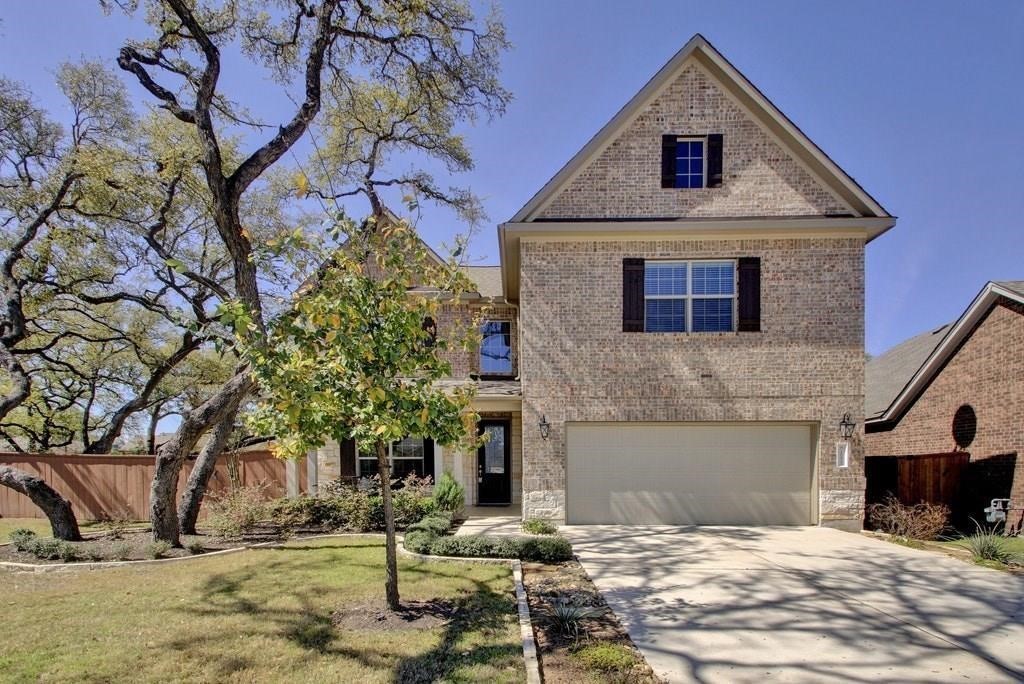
331	335
381	429
424	415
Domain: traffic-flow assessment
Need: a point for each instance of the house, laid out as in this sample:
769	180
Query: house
959	388
676	329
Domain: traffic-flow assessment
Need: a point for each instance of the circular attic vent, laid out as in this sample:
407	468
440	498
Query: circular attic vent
965	426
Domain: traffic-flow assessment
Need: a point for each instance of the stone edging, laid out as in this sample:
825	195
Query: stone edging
522	605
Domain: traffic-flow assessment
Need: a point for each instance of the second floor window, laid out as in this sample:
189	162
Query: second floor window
689	296
496	348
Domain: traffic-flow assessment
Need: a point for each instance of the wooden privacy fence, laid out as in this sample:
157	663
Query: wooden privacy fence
114	486
930	478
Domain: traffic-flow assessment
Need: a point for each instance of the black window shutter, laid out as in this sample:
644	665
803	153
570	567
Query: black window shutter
632	295
428	458
715	160
750	294
668	161
348	458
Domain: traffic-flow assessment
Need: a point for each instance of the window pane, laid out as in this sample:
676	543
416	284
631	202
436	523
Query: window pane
665	315
402	467
664	279
713	279
367	467
496	348
712	315
696	148
682	149
410	447
494	450
697	166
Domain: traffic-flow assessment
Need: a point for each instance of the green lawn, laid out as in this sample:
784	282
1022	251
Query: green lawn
1014	545
258	615
41	526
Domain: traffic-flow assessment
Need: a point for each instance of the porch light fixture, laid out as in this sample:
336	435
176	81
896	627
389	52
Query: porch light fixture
545	427
846	426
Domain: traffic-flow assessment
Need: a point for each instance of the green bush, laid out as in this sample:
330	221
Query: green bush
157	549
538	526
606	657
237	512
121	551
436	523
309	511
543	549
22	538
988	545
54	549
195	547
449	494
419	541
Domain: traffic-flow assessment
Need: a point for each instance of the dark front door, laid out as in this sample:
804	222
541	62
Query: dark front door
494	464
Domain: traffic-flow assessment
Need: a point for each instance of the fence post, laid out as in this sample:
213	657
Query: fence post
291	478
312	472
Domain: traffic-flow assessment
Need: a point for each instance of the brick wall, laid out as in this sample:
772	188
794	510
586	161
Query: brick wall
451	315
984	373
807	363
760	178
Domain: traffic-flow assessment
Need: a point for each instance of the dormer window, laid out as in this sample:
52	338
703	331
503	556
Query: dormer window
691	161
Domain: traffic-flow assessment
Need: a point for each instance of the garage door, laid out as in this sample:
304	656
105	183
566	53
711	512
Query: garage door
689	474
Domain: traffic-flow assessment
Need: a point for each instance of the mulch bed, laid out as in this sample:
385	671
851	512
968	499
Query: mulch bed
136	545
546	584
412	615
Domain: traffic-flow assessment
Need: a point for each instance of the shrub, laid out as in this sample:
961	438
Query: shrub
923	521
361	506
121	551
195	547
567	617
436	523
308	511
988	545
606	657
237	512
419	541
157	549
449	494
544	549
22	538
54	549
538	526
117	526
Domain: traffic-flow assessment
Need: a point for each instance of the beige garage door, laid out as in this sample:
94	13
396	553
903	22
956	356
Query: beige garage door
689	474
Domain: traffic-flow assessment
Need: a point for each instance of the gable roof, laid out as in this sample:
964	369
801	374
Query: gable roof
487	280
888	397
752	99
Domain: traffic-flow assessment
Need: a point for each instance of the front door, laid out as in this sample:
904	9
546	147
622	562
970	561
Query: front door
494	464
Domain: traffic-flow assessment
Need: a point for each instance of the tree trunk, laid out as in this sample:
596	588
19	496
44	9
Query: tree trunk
163	513
154	419
391	561
199	478
56	507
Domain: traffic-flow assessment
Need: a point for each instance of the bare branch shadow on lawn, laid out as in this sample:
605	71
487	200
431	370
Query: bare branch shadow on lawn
309	625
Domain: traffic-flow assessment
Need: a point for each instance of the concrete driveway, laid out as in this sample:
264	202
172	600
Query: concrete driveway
805	604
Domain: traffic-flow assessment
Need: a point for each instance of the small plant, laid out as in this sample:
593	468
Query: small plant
449	494
195	547
158	549
988	545
117	526
552	549
567	617
22	538
54	549
606	657
121	551
238	511
924	521
94	556
538	526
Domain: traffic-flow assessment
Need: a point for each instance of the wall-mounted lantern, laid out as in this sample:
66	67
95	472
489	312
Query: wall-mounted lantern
545	427
846	426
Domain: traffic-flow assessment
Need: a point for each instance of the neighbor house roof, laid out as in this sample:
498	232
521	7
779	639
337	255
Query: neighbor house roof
753	100
895	380
486	278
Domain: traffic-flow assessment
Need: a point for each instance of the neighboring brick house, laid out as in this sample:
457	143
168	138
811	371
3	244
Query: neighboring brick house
690	330
959	388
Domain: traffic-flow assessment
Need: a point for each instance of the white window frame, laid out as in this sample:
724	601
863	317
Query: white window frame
391	457
689	296
704	167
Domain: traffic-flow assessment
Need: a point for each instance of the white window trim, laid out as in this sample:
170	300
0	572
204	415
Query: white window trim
687	308
391	458
704	168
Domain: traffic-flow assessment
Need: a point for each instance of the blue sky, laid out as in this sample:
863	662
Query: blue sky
921	102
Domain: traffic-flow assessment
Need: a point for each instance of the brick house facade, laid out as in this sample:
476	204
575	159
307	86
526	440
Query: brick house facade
978	365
